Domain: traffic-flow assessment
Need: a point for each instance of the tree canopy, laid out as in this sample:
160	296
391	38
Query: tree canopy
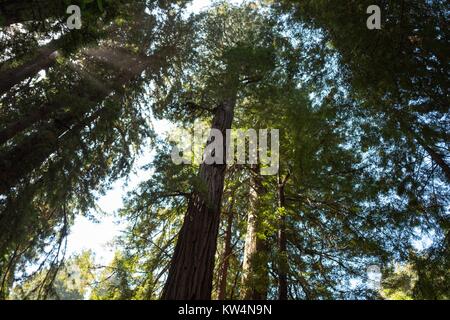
363	167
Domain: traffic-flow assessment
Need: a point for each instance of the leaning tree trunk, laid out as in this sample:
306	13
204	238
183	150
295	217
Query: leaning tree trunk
14	72
18	162
88	89
254	268
436	157
226	256
44	60
8	265
191	270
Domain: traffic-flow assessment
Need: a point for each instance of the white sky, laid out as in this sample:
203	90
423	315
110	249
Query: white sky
98	236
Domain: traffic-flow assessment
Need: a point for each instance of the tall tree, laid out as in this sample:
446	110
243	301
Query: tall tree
87	140
191	272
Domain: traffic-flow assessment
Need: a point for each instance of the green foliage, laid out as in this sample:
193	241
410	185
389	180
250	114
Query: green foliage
363	119
72	281
83	127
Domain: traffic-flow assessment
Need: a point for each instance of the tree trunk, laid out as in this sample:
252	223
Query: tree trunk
41	59
254	268
191	270
21	160
44	60
282	242
89	89
46	55
16	164
226	256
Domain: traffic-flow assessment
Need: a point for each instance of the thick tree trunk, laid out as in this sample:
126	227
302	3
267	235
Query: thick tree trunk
254	267
191	270
226	256
282	243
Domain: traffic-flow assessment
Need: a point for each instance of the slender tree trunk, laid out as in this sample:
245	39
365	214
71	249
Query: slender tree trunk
40	59
192	266
45	56
87	89
282	242
21	160
254	267
226	256
44	60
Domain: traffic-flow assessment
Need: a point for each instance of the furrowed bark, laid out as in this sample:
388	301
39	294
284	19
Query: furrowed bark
191	270
89	89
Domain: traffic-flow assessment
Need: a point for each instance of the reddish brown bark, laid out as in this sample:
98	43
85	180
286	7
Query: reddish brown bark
44	60
191	270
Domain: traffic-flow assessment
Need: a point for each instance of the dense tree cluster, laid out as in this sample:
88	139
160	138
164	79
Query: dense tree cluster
364	163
